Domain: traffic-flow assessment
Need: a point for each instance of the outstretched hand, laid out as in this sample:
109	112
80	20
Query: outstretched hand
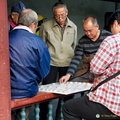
65	78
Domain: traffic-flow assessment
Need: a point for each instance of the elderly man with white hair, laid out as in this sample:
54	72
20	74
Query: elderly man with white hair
29	58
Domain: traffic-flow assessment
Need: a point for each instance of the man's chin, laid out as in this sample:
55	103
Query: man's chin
90	37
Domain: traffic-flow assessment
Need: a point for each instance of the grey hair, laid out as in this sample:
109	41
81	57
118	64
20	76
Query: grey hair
93	20
59	5
27	17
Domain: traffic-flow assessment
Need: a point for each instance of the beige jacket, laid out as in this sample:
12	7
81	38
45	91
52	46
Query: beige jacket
61	48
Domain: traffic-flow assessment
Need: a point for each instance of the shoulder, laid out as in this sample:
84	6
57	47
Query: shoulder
112	41
84	38
35	37
48	23
113	38
70	23
36	42
105	32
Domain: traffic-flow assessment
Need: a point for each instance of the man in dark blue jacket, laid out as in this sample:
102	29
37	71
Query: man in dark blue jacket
29	57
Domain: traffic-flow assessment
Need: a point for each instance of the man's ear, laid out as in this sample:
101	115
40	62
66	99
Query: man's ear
116	23
31	26
66	12
97	26
12	16
32	23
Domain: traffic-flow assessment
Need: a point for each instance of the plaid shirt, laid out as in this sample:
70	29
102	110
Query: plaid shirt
105	63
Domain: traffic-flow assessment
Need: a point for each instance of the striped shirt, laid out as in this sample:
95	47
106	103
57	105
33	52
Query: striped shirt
88	47
105	63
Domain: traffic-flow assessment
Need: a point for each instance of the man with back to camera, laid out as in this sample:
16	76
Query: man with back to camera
13	17
60	35
29	58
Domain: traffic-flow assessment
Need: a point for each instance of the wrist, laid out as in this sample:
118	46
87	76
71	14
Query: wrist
68	75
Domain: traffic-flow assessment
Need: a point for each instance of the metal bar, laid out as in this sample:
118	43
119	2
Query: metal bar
5	111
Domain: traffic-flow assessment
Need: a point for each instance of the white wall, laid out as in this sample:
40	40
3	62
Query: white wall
78	9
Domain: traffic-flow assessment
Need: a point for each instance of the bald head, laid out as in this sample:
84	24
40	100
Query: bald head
90	20
91	28
27	17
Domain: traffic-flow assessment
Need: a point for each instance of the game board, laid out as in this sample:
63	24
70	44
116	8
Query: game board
65	88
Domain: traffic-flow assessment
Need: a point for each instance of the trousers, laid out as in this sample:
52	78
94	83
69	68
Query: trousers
82	107
54	74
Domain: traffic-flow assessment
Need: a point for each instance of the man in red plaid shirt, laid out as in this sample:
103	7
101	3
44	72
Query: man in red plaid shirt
104	102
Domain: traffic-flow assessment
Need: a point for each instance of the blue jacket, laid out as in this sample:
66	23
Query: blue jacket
29	63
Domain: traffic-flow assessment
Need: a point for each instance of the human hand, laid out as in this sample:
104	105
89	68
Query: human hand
65	78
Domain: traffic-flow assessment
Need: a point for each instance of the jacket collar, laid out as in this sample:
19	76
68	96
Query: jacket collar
67	23
23	27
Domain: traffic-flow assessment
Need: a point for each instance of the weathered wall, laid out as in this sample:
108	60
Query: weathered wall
78	9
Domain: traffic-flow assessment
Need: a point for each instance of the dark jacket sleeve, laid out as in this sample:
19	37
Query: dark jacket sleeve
44	61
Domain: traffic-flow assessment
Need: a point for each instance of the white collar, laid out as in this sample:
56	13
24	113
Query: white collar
23	27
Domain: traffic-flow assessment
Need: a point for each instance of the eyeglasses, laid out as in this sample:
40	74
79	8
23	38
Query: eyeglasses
60	16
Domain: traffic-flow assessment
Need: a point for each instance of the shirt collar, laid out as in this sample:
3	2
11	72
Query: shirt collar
66	24
23	27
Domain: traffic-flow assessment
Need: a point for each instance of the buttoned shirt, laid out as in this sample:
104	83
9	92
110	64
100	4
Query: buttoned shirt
105	63
61	46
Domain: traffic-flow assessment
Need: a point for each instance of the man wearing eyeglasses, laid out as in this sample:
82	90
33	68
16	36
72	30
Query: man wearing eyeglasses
85	51
60	35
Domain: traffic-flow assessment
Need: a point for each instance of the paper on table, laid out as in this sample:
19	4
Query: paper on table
66	88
